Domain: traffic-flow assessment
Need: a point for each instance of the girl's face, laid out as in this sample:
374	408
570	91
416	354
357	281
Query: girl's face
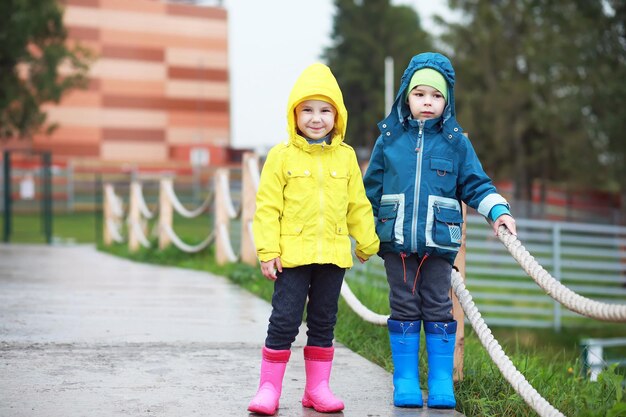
426	102
315	118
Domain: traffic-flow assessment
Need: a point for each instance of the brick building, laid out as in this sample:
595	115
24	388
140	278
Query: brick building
158	91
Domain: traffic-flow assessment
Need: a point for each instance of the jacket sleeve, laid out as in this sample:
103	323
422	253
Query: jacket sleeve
373	179
269	208
476	188
360	219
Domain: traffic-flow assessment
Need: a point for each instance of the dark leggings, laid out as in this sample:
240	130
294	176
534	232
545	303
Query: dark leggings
321	283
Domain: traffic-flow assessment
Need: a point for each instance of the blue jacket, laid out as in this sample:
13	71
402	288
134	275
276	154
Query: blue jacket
419	172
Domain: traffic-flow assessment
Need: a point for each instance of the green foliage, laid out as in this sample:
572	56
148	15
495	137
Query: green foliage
33	49
364	33
540	97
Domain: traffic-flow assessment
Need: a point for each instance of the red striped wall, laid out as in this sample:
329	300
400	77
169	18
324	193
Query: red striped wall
159	87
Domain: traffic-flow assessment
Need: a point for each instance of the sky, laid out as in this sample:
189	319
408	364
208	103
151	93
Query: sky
270	43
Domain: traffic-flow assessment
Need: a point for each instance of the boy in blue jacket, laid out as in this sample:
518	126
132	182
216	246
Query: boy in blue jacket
421	168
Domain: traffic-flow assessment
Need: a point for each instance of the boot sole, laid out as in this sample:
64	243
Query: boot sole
310	404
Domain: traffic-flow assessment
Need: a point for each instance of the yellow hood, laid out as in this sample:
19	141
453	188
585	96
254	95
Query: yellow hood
316	80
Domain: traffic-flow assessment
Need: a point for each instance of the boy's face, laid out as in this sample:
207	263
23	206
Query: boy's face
315	118
426	102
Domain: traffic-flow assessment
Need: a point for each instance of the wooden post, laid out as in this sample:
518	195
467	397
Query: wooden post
457	311
250	163
134	217
166	213
222	219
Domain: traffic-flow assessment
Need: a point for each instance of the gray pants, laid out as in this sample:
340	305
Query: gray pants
430	301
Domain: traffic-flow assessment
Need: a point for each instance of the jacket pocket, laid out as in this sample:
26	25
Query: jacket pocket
288	228
443	166
447	226
386	222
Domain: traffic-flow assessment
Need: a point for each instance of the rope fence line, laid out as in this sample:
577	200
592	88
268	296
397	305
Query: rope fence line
502	361
178	206
225	211
139	214
555	289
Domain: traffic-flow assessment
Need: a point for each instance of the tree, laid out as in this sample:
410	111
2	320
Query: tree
33	50
536	90
364	33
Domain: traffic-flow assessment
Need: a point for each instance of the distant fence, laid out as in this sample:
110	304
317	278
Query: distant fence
589	259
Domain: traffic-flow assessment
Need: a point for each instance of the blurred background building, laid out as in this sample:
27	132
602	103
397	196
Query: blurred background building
159	88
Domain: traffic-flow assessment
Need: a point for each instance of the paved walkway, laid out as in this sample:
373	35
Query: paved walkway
83	333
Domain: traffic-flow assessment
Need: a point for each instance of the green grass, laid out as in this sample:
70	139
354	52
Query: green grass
550	361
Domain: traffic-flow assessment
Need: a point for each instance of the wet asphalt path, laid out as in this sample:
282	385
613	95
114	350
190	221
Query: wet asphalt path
83	333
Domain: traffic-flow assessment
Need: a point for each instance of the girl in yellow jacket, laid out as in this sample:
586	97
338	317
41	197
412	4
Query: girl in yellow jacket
310	201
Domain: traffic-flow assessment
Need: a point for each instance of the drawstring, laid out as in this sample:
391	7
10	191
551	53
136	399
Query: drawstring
418	272
405	330
443	329
402	256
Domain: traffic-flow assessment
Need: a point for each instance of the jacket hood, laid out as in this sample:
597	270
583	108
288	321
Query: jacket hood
400	109
316	80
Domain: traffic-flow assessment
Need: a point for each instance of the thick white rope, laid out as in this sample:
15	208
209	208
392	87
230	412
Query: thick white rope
141	236
223	184
225	239
358	307
113	228
184	246
508	370
143	206
556	290
115	201
180	209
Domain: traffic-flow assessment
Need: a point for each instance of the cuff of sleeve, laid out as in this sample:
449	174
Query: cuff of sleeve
497	211
362	255
268	256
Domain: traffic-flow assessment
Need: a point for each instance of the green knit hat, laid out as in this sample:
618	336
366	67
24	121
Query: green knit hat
429	77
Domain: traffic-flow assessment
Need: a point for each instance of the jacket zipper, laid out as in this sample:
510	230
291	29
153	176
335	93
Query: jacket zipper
418	177
320	231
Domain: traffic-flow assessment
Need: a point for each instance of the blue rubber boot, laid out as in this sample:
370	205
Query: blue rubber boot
404	337
440	342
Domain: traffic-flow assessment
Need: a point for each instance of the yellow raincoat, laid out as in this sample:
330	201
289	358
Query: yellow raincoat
311	197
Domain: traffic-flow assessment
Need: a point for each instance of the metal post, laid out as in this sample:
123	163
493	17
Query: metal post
46	159
556	260
388	84
7	196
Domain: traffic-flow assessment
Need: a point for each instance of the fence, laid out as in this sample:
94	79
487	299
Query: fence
572	258
589	259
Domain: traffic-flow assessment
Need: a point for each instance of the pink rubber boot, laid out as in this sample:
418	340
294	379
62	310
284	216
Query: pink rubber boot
318	362
272	371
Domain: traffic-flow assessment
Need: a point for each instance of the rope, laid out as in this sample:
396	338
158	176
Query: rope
141	236
223	183
143	206
116	202
556	290
180	209
113	229
508	370
358	307
225	239
184	246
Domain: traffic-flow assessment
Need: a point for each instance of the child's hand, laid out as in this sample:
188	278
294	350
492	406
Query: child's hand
360	259
269	268
508	222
